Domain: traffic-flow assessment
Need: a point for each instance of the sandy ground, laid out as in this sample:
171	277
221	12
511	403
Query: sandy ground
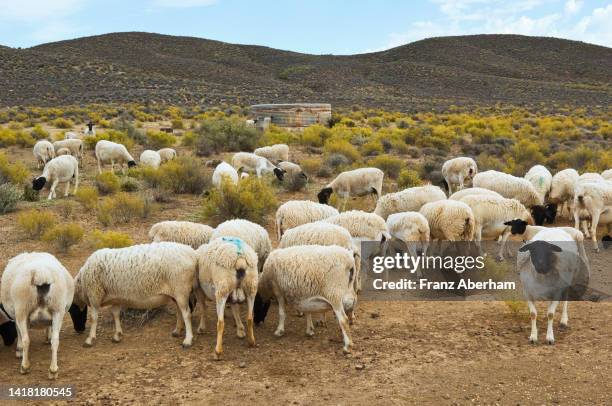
405	352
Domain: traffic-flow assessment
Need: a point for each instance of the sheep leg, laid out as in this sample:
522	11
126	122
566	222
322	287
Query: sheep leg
594	223
178	329
67	190
282	315
92	329
344	326
239	326
309	326
48	335
76	180
99	166
550	338
182	302
478	238
56	326
577	219
52	191
250	323
112	165
585	228
19	348
564	316
503	247
220	326
201	305
116	312
22	327
533	314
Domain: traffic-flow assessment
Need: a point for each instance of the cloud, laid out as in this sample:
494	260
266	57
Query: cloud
183	3
573	6
36	10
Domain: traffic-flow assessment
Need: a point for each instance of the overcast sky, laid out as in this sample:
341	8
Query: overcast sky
312	26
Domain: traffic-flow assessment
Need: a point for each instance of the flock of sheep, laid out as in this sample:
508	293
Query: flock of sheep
316	266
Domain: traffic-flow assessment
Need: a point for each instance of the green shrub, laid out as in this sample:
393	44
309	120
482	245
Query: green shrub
34	223
15	173
10	195
251	199
373	147
109	239
129	184
337	146
183	175
408	178
61	122
316	135
311	165
188	139
214	136
66	208
159	139
122	208
390	165
87	196
64	236
38	132
29	194
177	124
107	183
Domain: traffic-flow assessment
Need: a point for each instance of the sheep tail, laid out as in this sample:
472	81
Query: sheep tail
240	266
468	230
42	284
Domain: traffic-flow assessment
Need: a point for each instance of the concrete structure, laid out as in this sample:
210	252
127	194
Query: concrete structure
295	115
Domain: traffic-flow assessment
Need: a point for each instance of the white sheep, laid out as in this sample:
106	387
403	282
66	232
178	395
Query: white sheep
90	129
491	214
227	269
472	191
550	268
36	291
358	182
74	145
562	189
43	152
362	225
455	171
63	151
184	232
274	153
297	212
449	220
224	171
253	234
111	152
150	158
412	229
411	199
510	187
245	161
592	197
314	279
141	276
62	169
167	154
541	179
607	174
69	135
292	170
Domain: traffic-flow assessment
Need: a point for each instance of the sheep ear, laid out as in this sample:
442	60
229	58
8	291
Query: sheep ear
508	223
525	248
555	248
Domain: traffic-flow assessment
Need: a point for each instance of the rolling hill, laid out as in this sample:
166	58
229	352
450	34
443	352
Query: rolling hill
436	72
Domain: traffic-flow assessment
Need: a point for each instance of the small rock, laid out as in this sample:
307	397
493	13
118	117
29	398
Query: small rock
242	364
374	315
359	367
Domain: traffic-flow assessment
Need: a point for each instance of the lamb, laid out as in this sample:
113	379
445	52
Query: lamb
551	269
253	234
167	154
313	278
456	170
297	212
74	145
150	158
274	153
472	191
412	229
592	197
224	170
61	169
36	291
142	277
607	174
362	225
8	330
43	152
183	232
491	215
108	151
244	161
63	151
90	129
322	233
292	170
227	269
541	179
449	220
411	199
562	189
510	187
358	182
69	135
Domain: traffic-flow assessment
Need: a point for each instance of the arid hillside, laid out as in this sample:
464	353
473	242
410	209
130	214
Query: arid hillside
437	72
